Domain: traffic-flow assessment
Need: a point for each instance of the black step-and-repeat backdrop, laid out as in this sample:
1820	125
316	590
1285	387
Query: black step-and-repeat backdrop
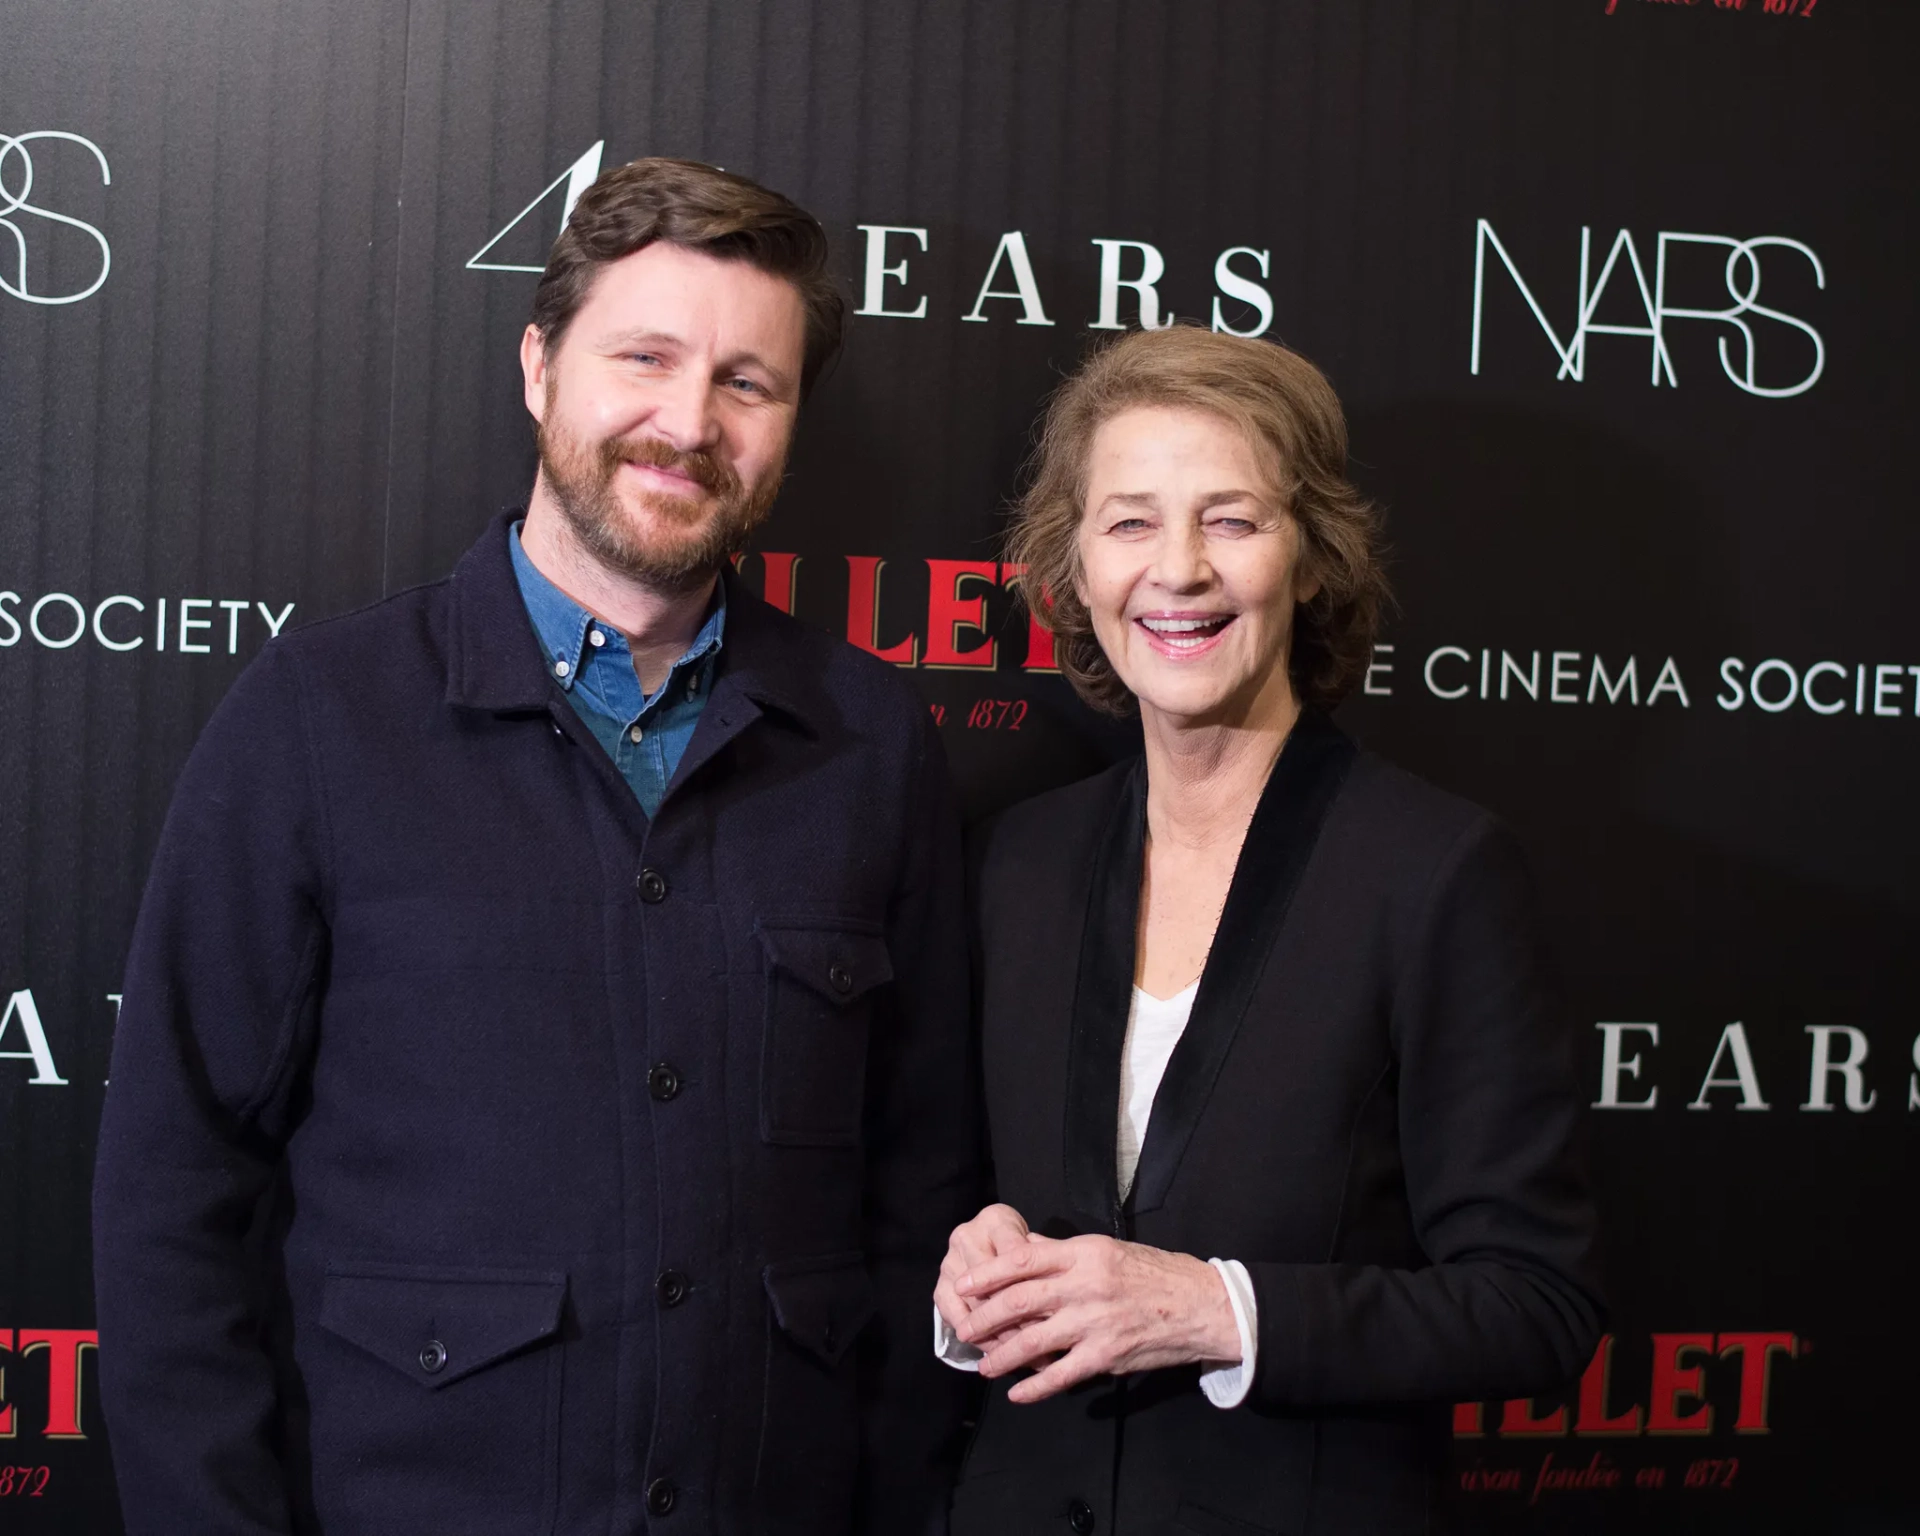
1620	295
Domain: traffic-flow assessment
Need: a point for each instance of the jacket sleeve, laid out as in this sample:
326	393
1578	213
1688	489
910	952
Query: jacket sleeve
220	985
924	1169
1489	1123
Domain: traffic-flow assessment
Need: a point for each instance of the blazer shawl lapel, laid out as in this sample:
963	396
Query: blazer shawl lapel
1280	840
1102	994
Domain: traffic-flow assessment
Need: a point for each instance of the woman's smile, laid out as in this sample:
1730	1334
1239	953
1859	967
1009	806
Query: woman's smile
1184	636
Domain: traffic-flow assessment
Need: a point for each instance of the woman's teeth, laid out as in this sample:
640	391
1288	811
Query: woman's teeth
1187	634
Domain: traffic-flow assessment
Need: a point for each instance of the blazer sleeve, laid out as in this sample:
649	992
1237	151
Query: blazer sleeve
924	1168
1490	1125
220	984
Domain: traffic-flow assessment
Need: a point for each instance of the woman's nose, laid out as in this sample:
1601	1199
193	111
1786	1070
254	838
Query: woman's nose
1181	563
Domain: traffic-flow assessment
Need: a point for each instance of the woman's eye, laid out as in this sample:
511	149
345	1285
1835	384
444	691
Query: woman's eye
1127	525
1234	525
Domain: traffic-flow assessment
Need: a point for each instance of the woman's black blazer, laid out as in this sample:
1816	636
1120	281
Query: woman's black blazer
1373	1107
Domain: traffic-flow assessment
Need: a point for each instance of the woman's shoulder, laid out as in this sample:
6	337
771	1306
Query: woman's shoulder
1045	828
1410	825
1382	788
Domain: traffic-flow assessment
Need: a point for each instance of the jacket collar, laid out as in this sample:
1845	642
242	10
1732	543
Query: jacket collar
1280	840
494	659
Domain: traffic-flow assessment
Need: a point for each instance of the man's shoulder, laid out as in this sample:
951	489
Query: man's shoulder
401	626
854	686
387	648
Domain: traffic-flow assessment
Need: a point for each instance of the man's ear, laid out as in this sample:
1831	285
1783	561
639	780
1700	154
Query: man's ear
533	371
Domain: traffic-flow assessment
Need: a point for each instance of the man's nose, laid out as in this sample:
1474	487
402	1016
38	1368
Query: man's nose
684	411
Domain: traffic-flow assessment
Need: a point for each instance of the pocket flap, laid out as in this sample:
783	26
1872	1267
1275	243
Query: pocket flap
1191	1520
821	1304
437	1325
838	962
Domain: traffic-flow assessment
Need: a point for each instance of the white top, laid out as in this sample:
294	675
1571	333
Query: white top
1154	1028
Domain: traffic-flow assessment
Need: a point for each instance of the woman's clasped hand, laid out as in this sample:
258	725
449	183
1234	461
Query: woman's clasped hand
1078	1307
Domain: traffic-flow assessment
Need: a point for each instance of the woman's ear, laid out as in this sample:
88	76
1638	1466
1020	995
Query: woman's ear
1306	568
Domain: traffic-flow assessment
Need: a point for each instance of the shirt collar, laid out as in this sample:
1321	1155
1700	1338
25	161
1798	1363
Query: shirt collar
494	660
565	631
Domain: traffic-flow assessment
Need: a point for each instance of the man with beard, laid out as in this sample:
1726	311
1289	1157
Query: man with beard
541	1094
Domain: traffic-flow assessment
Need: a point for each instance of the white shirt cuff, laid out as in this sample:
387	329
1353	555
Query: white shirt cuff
1228	1386
948	1349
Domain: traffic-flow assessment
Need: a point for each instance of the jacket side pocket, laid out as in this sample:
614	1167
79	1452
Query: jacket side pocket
435	1396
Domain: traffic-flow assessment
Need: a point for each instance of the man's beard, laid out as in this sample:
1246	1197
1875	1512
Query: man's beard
680	541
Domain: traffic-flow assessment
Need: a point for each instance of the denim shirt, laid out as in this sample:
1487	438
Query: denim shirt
645	736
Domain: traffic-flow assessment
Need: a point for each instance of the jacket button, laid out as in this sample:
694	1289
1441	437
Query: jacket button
663	1082
671	1287
840	979
1079	1517
433	1357
660	1496
653	886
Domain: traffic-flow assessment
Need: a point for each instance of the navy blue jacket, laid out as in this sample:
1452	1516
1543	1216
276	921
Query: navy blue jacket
480	1157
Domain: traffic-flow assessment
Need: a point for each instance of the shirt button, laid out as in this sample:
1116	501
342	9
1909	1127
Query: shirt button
636	735
671	1287
1079	1517
653	887
561	669
663	1082
660	1496
595	638
840	979
693	685
433	1357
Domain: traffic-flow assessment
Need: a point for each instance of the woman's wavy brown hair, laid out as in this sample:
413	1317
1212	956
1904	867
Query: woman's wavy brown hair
1291	416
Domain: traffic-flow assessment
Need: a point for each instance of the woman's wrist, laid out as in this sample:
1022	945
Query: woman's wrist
1216	1330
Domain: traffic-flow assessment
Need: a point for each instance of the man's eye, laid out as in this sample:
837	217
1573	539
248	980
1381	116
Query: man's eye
648	358
745	386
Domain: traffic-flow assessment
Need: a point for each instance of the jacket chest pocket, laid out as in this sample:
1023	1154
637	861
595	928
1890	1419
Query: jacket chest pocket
823	981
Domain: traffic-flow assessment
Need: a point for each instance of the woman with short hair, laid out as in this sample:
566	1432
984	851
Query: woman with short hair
1282	1108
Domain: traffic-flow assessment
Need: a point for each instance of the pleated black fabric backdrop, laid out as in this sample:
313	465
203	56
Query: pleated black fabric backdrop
1619	294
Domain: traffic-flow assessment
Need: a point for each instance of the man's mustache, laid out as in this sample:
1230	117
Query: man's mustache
702	468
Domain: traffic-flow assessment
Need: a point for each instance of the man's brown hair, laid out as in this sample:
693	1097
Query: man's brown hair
698	208
1293	421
